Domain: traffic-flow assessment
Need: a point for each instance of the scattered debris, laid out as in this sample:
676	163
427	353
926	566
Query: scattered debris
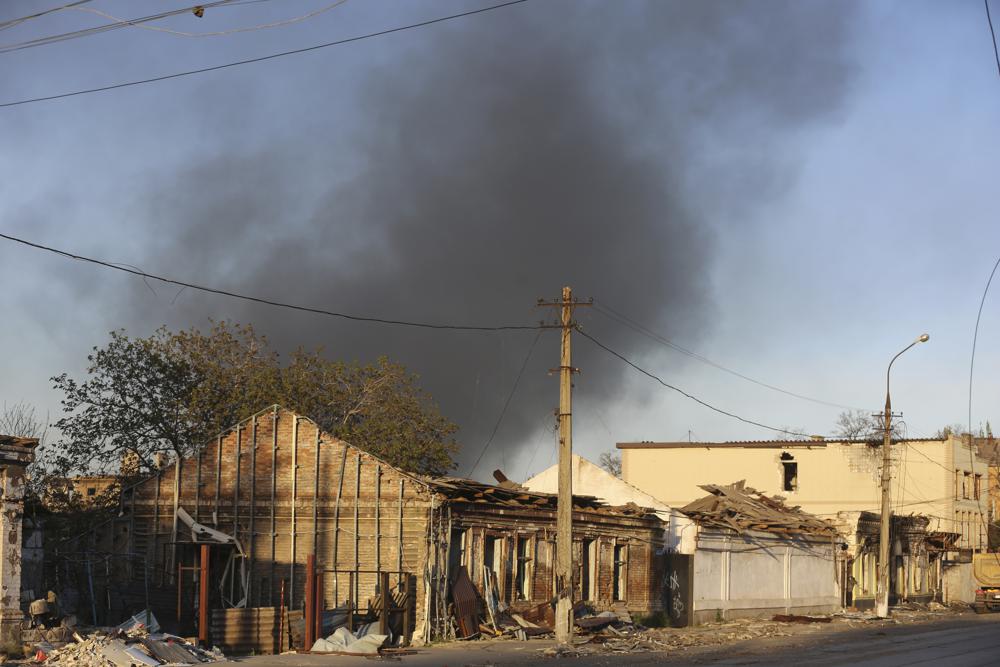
792	618
345	641
119	648
740	508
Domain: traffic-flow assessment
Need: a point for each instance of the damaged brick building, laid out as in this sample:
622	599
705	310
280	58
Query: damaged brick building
247	510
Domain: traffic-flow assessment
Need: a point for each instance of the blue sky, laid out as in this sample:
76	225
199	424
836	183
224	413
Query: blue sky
830	223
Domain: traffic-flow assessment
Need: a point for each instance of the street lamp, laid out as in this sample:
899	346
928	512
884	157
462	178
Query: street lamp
882	595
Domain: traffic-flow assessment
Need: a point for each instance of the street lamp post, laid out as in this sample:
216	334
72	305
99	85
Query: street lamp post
882	595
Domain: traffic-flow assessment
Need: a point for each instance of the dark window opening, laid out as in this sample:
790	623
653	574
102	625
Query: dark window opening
91	491
589	570
492	557
789	472
522	577
456	551
621	571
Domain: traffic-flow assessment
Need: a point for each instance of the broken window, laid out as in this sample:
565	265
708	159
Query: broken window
588	567
966	485
492	559
522	575
789	472
977	485
457	550
92	491
621	571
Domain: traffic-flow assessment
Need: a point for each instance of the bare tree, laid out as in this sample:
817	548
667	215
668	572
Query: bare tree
857	425
612	462
19	420
949	429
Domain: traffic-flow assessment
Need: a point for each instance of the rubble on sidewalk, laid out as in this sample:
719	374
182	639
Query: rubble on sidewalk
119	648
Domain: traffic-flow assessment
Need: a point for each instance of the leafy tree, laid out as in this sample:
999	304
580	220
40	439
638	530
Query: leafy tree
171	392
612	462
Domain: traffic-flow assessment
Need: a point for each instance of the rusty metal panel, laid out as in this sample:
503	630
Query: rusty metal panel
466	601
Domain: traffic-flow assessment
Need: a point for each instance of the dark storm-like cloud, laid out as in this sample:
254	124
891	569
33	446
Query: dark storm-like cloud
555	143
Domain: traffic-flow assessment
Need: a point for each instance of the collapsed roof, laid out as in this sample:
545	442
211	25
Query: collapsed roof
741	508
467	490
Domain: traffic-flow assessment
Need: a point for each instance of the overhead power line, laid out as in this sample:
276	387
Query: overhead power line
684	393
10	23
269	302
613	314
248	61
106	27
120	22
506	404
993	34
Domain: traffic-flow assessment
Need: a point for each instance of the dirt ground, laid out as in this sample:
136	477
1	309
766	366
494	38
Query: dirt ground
745	641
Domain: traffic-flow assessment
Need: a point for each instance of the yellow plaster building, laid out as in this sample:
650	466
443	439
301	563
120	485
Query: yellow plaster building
937	478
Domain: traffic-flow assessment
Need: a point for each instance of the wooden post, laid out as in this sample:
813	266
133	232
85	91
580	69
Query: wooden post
408	604
197	487
252	538
318	598
350	601
378	516
399	531
310	601
274	486
180	583
336	525
383	614
357	501
203	597
316	464
281	618
236	483
295	481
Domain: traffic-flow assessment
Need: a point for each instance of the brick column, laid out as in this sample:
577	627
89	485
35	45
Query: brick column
11	512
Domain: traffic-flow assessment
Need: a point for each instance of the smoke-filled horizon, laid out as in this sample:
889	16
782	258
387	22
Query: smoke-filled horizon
483	165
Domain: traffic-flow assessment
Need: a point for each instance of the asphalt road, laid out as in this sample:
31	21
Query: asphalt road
963	641
966	641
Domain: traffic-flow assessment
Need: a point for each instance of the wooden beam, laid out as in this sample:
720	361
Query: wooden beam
295	480
203	597
274	482
336	523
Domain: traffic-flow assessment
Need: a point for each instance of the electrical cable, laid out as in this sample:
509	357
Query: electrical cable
972	366
993	34
506	404
218	33
611	313
105	27
10	23
975	335
247	61
684	393
269	302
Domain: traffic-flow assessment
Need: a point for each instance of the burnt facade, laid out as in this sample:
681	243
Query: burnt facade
274	490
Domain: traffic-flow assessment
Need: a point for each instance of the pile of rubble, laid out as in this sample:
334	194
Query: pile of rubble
124	649
602	634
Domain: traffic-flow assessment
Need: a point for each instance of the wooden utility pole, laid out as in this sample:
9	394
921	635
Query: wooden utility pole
564	512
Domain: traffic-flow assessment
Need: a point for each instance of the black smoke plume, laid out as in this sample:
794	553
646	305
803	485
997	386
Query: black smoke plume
604	146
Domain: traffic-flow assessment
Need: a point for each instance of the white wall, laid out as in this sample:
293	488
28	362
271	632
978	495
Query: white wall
589	479
760	574
958	583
